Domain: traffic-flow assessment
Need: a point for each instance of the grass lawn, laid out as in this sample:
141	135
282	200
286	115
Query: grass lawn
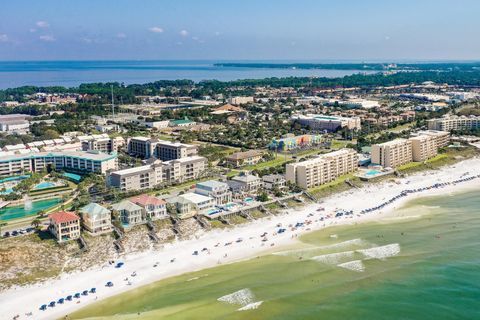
278	161
339	144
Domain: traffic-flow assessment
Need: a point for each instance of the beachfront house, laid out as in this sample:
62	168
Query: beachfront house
129	213
216	190
64	226
274	181
181	207
245	183
153	207
96	219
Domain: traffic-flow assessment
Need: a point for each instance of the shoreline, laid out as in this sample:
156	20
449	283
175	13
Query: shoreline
29	298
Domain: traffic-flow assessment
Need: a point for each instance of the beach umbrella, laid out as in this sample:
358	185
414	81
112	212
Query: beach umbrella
93	290
43	307
52	304
69	298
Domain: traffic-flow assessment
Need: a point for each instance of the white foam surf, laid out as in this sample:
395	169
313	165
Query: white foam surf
251	306
242	297
306	251
355	265
381	252
334	258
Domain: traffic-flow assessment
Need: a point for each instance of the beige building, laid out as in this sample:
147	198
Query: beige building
450	123
164	150
322	169
158	172
392	153
239	159
442	138
64	226
423	148
96	219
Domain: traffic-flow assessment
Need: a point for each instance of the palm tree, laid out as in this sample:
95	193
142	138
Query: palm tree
41	213
36	223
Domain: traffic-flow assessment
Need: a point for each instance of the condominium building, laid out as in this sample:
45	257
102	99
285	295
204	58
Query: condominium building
164	150
393	153
96	219
441	138
449	123
322	169
215	189
423	148
14	123
64	226
106	145
158	172
73	160
291	142
327	123
240	100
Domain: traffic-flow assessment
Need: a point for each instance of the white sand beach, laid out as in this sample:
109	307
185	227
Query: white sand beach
23	300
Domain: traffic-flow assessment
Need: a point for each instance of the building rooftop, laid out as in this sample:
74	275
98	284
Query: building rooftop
94	210
195	197
126	205
212	184
63	216
145	200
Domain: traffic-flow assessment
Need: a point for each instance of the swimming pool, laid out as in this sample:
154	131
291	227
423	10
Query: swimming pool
9	179
372	172
44	185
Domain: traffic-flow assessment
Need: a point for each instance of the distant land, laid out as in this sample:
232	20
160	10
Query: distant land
430	66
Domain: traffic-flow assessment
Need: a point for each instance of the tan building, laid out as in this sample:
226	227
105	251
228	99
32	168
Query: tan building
450	123
423	148
158	172
64	226
239	159
442	138
96	219
322	169
392	153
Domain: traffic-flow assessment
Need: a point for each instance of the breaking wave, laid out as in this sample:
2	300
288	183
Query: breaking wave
334	258
381	252
242	297
355	265
251	306
340	245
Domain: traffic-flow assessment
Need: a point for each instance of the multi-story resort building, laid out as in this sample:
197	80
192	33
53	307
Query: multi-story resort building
96	219
322	169
72	160
423	148
291	142
327	123
164	150
104	144
64	226
215	189
441	138
14	123
392	153
158	172
239	159
449	123
153	207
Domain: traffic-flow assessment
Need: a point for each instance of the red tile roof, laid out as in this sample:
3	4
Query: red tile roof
63	216
145	199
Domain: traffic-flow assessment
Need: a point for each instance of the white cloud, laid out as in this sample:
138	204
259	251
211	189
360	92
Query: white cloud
156	29
3	37
184	33
86	40
121	35
47	38
43	24
217	33
387	38
33	30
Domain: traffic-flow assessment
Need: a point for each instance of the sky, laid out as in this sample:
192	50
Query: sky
358	30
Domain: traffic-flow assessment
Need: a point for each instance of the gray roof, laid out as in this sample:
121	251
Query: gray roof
94	209
126	205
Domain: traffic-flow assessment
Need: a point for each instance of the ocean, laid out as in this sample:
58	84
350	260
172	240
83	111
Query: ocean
72	73
421	263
